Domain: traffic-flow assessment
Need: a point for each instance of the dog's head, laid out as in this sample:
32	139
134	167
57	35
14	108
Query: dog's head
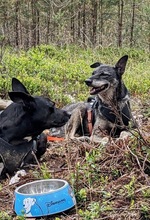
105	78
28	203
29	115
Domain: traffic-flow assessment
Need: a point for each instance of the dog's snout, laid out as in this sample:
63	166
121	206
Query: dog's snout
88	82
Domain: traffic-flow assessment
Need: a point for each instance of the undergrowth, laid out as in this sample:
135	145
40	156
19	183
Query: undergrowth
59	73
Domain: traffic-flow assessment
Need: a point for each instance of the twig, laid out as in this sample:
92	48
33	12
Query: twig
145	159
138	164
142	189
39	166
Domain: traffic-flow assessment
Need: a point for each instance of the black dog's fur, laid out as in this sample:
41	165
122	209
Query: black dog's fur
109	104
27	117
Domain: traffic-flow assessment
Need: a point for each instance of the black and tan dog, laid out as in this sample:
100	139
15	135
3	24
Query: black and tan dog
107	111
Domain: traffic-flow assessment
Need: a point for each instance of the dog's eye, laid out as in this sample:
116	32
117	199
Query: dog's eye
106	74
94	72
103	74
51	109
53	104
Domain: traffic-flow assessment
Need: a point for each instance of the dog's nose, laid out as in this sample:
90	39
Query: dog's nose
88	82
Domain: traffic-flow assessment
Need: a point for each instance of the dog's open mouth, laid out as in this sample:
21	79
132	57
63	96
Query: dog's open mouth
95	90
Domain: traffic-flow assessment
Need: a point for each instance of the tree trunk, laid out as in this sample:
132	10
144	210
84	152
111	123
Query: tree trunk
84	22
101	22
38	27
79	22
17	23
33	25
149	37
5	23
120	22
132	23
94	21
27	32
72	22
48	27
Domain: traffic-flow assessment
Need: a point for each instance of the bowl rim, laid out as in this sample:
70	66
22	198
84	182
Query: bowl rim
44	193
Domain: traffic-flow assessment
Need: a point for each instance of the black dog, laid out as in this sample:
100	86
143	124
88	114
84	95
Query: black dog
107	112
27	116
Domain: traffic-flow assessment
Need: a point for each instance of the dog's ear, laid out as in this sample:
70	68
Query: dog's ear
20	97
94	65
121	64
33	201
17	86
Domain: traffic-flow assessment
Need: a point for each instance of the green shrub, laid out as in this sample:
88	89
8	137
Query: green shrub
59	72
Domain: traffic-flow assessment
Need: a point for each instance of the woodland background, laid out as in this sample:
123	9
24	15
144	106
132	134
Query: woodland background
94	23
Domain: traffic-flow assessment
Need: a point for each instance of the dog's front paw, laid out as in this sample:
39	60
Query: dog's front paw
124	135
97	139
84	138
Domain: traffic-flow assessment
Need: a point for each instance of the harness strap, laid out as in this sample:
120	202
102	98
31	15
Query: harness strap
89	118
107	112
12	156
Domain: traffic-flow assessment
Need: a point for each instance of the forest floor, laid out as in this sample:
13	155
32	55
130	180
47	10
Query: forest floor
110	182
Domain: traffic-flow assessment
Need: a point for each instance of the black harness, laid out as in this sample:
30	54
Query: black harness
119	116
14	156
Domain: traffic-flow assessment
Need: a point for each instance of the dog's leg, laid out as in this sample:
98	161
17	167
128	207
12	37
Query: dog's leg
75	121
98	134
